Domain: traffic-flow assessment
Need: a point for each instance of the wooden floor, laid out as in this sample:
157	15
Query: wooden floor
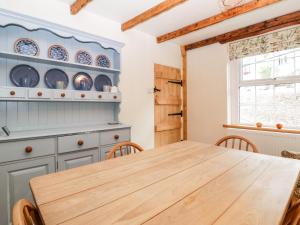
183	183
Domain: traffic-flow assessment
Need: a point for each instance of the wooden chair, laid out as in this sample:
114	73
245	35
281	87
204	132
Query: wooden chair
290	154
124	148
24	213
292	216
237	140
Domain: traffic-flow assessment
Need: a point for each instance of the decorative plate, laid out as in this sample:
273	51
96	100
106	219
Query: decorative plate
82	81
58	52
26	46
56	79
24	76
83	57
102	80
103	61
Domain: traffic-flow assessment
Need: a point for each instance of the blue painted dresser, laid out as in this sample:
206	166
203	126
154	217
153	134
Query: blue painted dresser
53	129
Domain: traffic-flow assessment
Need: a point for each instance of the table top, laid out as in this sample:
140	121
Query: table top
182	183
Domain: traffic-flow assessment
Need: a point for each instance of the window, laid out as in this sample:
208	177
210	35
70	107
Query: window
268	89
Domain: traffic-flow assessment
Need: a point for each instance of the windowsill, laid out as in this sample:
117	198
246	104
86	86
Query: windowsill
268	129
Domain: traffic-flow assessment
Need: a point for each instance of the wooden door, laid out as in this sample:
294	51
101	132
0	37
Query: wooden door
168	114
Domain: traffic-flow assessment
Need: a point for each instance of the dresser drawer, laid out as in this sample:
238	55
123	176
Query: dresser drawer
26	149
12	92
77	142
115	97
62	94
114	136
37	93
89	95
101	96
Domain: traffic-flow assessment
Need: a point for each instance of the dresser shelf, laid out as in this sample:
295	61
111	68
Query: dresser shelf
56	62
56	95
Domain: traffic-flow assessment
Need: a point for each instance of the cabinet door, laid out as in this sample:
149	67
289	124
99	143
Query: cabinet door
76	159
104	151
14	182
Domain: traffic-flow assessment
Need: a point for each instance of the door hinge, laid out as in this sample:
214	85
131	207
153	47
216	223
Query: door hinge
176	114
176	82
156	90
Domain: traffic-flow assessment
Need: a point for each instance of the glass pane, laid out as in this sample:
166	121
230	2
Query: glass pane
271	65
284	65
248	72
264	95
264	70
247	95
247	114
272	104
297	69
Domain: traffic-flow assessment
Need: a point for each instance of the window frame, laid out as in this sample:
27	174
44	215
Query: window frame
235	82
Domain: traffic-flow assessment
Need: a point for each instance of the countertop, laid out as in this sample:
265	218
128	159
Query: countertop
14	136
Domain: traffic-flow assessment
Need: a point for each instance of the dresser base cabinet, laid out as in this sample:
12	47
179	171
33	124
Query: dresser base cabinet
104	150
76	159
15	179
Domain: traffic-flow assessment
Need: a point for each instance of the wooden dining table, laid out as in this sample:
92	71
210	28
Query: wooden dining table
185	183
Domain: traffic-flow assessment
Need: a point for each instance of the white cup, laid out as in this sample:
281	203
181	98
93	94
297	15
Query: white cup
106	88
114	89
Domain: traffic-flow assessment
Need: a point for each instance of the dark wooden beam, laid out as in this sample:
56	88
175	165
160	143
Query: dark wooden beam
239	10
78	5
249	31
150	13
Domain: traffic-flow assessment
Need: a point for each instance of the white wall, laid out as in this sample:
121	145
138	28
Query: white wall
138	56
207	103
206	81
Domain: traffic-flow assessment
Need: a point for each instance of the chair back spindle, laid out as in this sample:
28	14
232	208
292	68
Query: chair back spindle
237	139
124	148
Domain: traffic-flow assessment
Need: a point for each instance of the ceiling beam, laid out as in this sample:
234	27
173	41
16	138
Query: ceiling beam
78	5
239	10
150	13
249	31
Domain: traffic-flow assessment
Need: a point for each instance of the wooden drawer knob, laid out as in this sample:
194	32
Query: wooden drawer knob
82	95
28	149
99	96
116	137
80	142
12	93
115	97
40	94
63	95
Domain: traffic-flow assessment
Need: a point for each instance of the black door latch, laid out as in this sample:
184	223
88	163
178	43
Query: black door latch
156	89
176	114
179	82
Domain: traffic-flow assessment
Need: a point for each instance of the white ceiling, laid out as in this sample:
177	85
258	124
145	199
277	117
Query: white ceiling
187	13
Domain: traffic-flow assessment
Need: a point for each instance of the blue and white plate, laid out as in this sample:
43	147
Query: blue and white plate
56	79
58	52
26	46
83	57
82	81
24	76
101	81
103	61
